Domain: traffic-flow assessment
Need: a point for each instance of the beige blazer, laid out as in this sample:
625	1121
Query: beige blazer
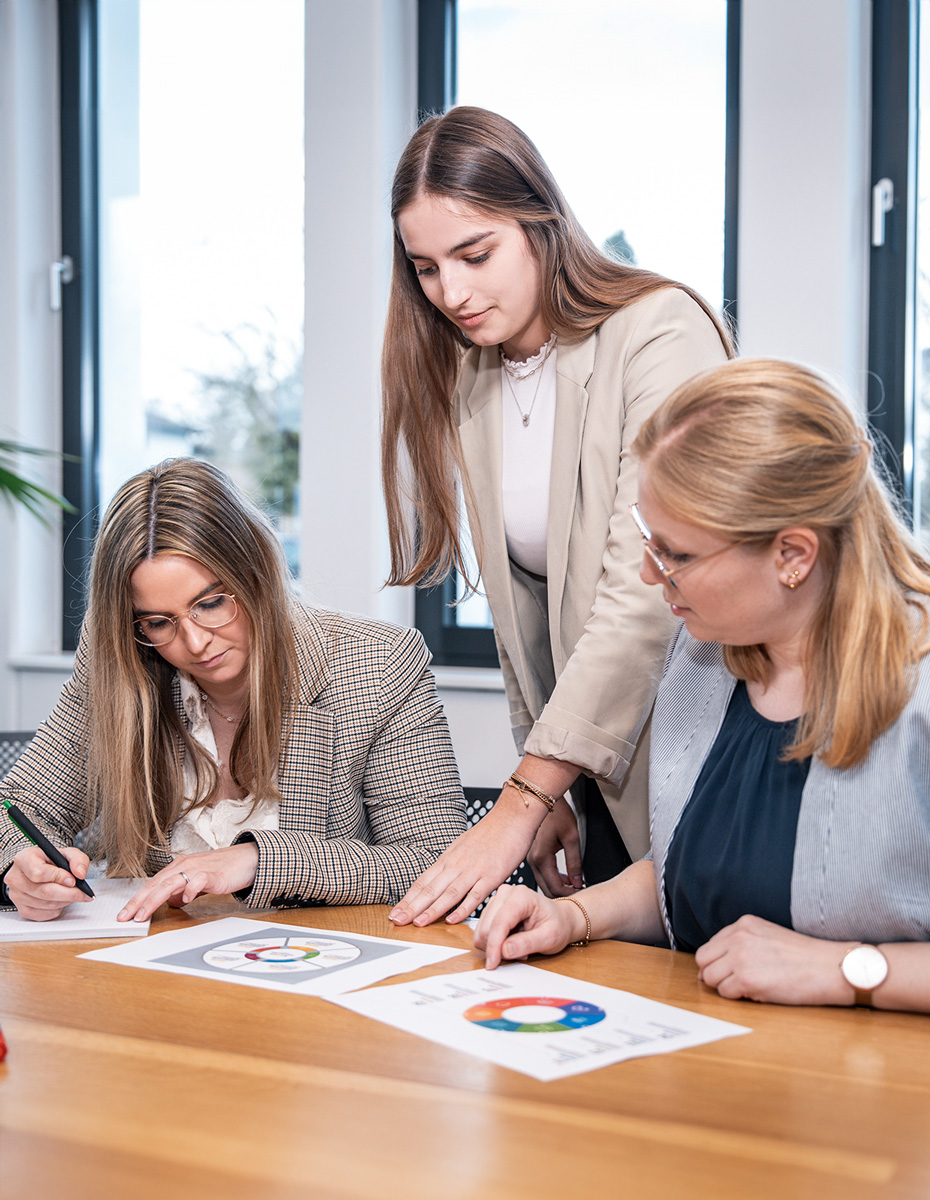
582	655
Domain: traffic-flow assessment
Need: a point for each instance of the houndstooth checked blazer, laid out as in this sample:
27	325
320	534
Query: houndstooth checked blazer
370	789
861	868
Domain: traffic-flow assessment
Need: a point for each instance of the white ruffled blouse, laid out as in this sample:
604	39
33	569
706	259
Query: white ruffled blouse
218	825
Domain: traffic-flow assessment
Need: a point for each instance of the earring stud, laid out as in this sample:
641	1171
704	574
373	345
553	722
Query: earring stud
793	581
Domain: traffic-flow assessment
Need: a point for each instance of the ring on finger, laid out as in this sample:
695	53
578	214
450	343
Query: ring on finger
186	878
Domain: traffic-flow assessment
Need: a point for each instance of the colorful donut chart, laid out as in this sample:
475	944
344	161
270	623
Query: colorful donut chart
280	955
570	1014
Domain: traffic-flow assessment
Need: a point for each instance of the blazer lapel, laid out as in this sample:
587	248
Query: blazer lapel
575	364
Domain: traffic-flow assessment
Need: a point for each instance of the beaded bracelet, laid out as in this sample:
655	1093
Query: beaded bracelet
584	913
523	786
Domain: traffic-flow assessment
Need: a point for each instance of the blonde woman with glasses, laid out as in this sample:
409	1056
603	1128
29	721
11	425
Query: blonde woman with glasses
220	737
790	759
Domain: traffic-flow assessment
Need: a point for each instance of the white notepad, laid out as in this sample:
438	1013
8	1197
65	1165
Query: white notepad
94	920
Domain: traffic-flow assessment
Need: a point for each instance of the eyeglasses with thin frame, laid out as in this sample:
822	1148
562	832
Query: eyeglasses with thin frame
668	573
211	612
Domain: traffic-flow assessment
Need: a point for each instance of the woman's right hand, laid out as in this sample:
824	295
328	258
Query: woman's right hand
477	862
558	832
519	922
39	889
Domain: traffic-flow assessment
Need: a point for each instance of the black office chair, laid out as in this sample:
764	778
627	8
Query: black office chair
11	747
478	803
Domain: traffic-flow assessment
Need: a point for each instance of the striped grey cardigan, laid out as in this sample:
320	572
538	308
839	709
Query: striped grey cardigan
370	788
862	855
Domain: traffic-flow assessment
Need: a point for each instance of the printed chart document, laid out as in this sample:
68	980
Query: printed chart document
285	958
94	919
537	1022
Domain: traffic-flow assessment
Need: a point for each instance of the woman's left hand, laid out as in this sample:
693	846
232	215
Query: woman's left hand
754	959
214	872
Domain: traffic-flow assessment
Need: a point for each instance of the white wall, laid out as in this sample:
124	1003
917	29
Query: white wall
364	52
802	286
804	184
361	109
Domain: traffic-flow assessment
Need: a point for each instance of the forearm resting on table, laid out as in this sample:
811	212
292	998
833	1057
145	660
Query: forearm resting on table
907	985
625	907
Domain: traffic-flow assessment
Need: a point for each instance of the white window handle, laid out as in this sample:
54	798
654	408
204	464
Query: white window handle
58	273
882	202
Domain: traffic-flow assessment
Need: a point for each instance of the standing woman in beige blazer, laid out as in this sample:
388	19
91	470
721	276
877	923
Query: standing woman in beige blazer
519	364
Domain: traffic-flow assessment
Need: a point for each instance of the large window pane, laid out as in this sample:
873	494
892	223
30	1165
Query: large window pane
201	200
626	100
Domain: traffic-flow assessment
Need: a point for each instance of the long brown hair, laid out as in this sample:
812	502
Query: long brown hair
136	737
756	446
484	161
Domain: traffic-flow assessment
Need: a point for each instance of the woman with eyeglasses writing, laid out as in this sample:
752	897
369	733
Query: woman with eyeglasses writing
220	737
790	759
519	361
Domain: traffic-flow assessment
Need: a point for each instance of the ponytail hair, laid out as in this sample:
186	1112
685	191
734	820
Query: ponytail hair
756	446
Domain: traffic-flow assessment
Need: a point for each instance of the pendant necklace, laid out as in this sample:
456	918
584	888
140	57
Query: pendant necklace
229	720
511	374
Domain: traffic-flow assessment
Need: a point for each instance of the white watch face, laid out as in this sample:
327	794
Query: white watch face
865	967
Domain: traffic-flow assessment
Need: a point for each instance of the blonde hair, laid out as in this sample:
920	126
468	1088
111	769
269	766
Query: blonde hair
136	737
756	446
483	161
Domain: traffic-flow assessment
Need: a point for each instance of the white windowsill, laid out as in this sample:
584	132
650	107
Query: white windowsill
469	679
42	662
461	679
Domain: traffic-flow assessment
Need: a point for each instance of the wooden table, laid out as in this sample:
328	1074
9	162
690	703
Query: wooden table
138	1084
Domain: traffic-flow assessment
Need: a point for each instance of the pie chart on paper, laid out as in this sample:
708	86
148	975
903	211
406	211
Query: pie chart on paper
534	1014
276	956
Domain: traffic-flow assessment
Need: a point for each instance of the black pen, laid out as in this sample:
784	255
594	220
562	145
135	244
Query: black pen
25	826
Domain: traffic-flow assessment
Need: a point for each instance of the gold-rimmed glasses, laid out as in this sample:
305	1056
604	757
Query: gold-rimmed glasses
210	612
667	572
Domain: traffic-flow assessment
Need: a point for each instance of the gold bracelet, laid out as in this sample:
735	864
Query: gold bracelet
523	786
584	913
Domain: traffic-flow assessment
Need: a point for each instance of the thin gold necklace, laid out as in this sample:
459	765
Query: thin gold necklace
228	720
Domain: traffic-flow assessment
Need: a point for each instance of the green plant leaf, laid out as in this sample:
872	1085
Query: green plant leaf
16	489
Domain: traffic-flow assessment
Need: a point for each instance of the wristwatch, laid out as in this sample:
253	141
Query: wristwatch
864	968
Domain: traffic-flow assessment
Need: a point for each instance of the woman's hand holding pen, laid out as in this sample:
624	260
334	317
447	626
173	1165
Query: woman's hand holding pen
214	872
39	889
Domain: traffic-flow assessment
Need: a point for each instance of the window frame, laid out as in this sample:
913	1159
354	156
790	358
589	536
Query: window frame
80	303
892	265
463	646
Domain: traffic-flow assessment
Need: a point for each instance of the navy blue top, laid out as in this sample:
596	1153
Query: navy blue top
733	850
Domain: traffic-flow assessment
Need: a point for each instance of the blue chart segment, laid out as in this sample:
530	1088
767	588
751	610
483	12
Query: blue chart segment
534	1014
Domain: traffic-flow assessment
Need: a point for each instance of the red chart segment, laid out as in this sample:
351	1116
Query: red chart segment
534	1014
